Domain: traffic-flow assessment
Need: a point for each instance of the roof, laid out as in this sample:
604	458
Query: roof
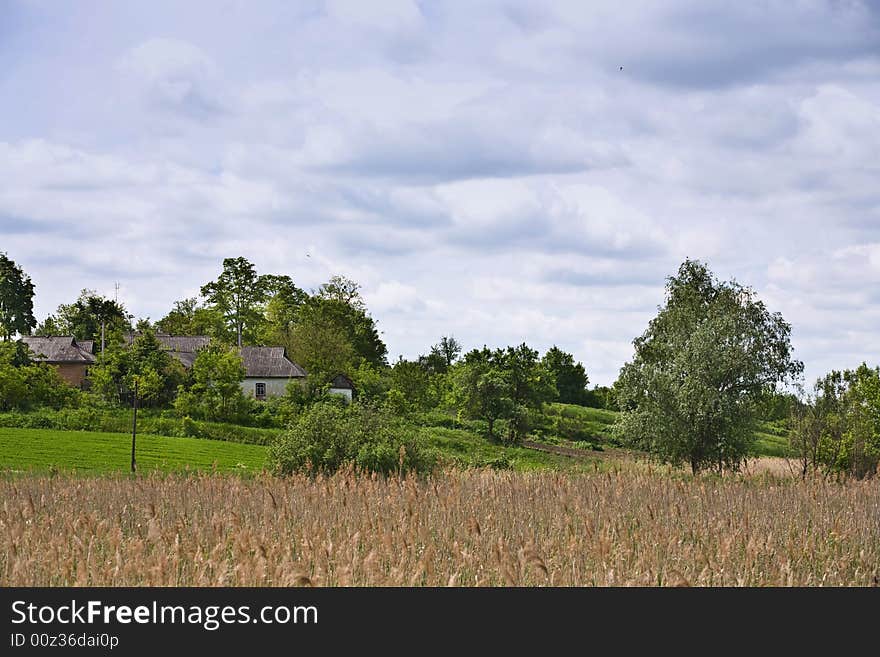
342	381
60	349
269	362
188	344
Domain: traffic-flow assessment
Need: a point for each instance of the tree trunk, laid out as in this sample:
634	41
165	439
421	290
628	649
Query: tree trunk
491	423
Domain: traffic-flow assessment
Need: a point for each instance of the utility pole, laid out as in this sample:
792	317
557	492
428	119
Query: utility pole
134	423
102	335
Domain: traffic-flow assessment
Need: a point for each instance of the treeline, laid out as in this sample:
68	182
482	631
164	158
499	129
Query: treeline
711	365
328	331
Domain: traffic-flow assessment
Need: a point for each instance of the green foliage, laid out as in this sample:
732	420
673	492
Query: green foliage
238	295
215	392
16	300
188	318
502	384
157	373
329	436
25	385
712	352
602	397
84	317
837	429
569	377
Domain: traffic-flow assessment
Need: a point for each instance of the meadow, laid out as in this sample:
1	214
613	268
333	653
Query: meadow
630	526
91	452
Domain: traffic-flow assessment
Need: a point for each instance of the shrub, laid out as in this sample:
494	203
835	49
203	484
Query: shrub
329	436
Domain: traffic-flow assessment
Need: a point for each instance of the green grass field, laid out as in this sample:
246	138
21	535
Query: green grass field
93	452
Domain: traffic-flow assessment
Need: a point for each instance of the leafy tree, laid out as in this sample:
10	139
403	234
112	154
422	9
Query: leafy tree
358	327
343	290
187	317
238	294
531	385
25	384
481	390
602	397
16	300
90	317
713	350
322	347
410	385
443	354
570	377
156	372
837	428
329	436
282	310
215	393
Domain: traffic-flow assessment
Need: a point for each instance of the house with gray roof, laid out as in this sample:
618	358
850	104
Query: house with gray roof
71	357
268	371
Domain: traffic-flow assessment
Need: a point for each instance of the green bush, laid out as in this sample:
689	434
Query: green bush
329	436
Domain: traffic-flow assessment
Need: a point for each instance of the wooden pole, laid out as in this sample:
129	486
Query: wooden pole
134	425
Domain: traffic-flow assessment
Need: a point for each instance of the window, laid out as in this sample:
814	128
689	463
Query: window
260	390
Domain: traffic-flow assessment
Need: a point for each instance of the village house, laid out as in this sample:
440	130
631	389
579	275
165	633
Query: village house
71	357
268	370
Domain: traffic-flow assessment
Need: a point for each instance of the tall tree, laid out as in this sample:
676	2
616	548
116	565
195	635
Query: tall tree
570	377
90	317
700	368
443	354
187	317
340	288
16	300
282	310
239	293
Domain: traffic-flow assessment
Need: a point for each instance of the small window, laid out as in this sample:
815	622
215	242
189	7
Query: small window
260	391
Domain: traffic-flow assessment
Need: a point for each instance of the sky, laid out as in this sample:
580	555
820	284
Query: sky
500	171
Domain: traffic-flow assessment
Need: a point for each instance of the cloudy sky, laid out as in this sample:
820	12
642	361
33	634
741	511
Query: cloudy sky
485	169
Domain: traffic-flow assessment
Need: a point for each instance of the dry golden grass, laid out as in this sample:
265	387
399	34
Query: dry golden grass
634	527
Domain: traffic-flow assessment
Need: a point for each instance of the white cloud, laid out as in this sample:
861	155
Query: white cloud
484	170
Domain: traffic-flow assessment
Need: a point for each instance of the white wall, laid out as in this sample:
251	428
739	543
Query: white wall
274	387
345	392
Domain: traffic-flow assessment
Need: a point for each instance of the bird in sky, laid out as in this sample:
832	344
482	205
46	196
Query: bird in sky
621	68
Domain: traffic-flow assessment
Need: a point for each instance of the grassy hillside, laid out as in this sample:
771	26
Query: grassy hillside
460	446
94	452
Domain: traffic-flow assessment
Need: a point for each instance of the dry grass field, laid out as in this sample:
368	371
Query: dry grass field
631	527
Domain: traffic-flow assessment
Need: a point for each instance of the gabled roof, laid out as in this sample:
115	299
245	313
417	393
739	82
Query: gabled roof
187	344
60	349
269	362
341	381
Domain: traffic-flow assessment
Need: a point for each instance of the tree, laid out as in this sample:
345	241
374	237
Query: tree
238	294
358	327
837	428
570	377
187	317
282	310
442	355
90	317
322	347
329	436
16	300
481	390
158	374
690	393
531	384
25	384
215	393
344	290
